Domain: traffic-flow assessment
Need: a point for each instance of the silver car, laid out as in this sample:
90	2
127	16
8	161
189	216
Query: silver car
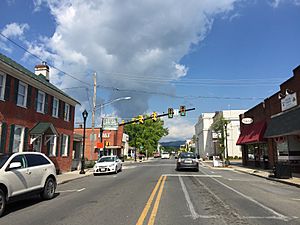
187	160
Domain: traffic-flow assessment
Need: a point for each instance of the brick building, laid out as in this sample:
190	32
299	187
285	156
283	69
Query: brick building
112	138
274	134
34	114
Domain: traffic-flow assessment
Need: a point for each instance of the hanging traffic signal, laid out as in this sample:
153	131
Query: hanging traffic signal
182	110
154	116
141	119
170	112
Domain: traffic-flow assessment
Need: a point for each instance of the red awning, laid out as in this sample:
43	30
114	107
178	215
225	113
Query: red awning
252	133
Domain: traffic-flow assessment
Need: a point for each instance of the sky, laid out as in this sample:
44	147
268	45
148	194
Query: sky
211	55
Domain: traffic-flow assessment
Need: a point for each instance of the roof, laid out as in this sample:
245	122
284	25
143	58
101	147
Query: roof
30	74
43	128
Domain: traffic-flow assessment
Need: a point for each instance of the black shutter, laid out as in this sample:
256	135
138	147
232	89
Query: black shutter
7	88
51	105
25	146
46	104
29	96
62	110
69	145
71	113
61	144
16	90
11	137
57	145
3	137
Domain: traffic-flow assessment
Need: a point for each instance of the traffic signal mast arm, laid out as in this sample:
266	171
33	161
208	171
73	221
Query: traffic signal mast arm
150	118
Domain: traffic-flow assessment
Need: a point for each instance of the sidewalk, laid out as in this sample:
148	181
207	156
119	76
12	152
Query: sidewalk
73	175
267	174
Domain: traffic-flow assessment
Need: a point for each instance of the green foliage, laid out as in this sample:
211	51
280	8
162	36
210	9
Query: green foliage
146	135
219	127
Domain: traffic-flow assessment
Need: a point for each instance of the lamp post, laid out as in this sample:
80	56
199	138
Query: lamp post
84	115
226	144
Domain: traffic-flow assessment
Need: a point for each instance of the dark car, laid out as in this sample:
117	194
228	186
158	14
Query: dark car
187	160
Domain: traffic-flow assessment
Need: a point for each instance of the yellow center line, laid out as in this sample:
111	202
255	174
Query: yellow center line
156	204
149	202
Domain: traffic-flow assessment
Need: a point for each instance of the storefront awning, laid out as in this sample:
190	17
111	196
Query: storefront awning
284	124
252	133
43	128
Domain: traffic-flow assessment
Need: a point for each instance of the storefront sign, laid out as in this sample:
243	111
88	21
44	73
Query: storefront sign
289	101
247	120
110	123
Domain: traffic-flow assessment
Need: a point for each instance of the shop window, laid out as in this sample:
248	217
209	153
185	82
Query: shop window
250	152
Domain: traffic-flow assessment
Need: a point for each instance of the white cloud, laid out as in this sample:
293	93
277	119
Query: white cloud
15	30
276	3
179	129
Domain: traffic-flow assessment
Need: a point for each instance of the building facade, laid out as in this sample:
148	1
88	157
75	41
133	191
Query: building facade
34	114
274	134
112	142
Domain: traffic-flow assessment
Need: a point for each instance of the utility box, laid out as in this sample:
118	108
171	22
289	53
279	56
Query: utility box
283	170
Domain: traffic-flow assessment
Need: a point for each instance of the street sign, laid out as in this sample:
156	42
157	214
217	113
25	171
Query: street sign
176	112
110	123
247	120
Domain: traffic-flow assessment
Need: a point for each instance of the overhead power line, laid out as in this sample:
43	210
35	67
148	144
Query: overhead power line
37	57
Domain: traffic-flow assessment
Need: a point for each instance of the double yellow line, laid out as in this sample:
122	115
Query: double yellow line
161	183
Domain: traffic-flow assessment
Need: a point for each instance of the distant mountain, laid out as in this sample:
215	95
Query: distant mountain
172	143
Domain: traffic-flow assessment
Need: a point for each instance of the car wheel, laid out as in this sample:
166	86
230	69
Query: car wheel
49	189
2	202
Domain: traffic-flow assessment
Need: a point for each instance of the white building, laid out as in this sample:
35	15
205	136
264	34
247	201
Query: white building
206	140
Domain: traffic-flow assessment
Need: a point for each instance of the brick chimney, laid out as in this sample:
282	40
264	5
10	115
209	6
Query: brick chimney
42	69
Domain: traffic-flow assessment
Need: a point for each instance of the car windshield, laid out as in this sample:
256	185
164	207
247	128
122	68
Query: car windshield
187	155
107	159
3	159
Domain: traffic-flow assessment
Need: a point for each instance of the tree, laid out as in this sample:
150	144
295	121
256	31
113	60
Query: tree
146	135
218	127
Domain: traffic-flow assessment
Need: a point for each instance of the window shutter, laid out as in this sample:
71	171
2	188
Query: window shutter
7	88
16	90
36	99
57	144
29	96
51	105
62	110
71	113
69	146
11	137
3	137
46	103
25	146
61	144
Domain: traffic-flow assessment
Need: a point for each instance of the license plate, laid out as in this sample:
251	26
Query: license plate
102	170
188	161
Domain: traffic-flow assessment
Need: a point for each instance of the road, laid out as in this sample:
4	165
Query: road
154	193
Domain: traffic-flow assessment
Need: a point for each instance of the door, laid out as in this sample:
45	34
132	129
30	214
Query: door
18	178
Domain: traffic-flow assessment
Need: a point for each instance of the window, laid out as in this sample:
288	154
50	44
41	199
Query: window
55	105
2	86
40	107
37	144
22	94
36	160
21	159
52	146
64	145
67	112
18	139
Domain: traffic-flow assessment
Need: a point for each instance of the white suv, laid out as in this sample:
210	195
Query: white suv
23	173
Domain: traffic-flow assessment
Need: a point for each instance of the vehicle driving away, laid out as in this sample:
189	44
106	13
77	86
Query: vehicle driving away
108	164
165	155
26	173
187	160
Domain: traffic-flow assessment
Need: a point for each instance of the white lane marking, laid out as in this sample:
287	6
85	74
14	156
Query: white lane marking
190	175
72	190
296	199
188	199
283	217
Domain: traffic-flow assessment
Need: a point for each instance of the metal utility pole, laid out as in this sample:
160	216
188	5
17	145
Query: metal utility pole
93	117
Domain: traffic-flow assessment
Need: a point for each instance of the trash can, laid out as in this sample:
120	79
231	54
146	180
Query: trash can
283	170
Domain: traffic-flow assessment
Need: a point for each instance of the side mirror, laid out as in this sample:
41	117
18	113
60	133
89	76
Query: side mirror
15	165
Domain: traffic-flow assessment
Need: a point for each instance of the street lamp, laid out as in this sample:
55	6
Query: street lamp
84	115
226	145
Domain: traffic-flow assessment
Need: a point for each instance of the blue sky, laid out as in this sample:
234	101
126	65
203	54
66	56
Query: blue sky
202	52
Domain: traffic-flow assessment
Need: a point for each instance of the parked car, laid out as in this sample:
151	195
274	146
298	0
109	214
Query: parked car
165	155
26	173
108	164
187	160
156	155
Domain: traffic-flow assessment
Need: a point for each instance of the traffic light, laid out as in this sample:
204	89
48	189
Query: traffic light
182	110
154	116
141	119
170	112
